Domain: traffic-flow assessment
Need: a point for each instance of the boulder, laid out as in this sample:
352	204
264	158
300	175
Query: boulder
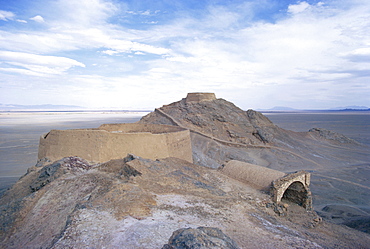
200	238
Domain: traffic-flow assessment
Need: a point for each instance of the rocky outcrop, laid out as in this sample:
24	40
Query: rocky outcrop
221	131
55	170
215	118
138	203
331	135
200	238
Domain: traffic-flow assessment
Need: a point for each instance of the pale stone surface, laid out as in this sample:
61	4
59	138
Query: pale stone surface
252	174
273	181
281	185
114	141
196	97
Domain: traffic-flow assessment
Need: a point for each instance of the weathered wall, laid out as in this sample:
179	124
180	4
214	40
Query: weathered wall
258	176
200	97
276	182
116	141
279	187
139	127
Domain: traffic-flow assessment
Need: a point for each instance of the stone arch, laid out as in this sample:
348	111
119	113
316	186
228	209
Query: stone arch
296	193
294	188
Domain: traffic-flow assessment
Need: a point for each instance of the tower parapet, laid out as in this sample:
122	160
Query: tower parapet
197	97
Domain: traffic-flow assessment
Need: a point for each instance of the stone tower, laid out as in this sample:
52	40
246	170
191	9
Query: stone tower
196	97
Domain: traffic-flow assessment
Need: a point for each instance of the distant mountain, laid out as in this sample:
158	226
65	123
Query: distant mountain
282	108
353	107
279	109
11	107
289	109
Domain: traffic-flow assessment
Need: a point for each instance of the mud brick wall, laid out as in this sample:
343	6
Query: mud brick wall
113	141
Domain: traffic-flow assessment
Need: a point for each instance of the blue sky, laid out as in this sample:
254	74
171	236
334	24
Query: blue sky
143	54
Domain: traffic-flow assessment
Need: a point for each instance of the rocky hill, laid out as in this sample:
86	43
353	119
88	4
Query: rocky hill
135	202
140	203
222	131
220	122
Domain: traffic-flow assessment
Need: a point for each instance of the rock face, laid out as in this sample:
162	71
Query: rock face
216	118
200	238
221	131
330	135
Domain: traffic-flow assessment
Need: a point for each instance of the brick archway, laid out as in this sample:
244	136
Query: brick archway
293	187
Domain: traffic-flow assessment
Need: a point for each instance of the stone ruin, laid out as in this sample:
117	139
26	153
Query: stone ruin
293	187
154	141
114	141
197	97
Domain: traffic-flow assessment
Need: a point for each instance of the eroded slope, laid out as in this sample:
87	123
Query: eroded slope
221	132
138	203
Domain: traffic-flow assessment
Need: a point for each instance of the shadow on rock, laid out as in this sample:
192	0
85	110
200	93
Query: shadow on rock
200	238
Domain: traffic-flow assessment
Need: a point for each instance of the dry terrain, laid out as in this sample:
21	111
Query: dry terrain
138	203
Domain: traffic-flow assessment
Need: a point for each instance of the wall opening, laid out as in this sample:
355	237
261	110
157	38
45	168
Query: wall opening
296	193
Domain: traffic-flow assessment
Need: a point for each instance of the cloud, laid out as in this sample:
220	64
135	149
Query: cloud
359	55
6	15
38	65
80	25
144	13
224	48
310	49
84	13
298	8
37	18
123	46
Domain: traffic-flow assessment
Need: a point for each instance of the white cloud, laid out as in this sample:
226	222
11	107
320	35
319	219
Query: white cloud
298	8
358	55
146	13
6	15
314	47
110	52
84	13
143	13
37	18
33	64
304	50
21	21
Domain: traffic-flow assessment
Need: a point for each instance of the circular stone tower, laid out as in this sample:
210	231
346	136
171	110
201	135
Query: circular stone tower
196	97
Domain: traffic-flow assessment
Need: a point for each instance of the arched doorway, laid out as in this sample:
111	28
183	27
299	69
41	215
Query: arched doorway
296	193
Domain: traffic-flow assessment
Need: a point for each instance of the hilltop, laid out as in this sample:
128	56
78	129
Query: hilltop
222	131
136	202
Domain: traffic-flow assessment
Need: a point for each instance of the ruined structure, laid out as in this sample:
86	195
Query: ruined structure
154	141
292	187
196	97
113	141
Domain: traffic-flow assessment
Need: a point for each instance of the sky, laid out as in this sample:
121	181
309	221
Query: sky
142	54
